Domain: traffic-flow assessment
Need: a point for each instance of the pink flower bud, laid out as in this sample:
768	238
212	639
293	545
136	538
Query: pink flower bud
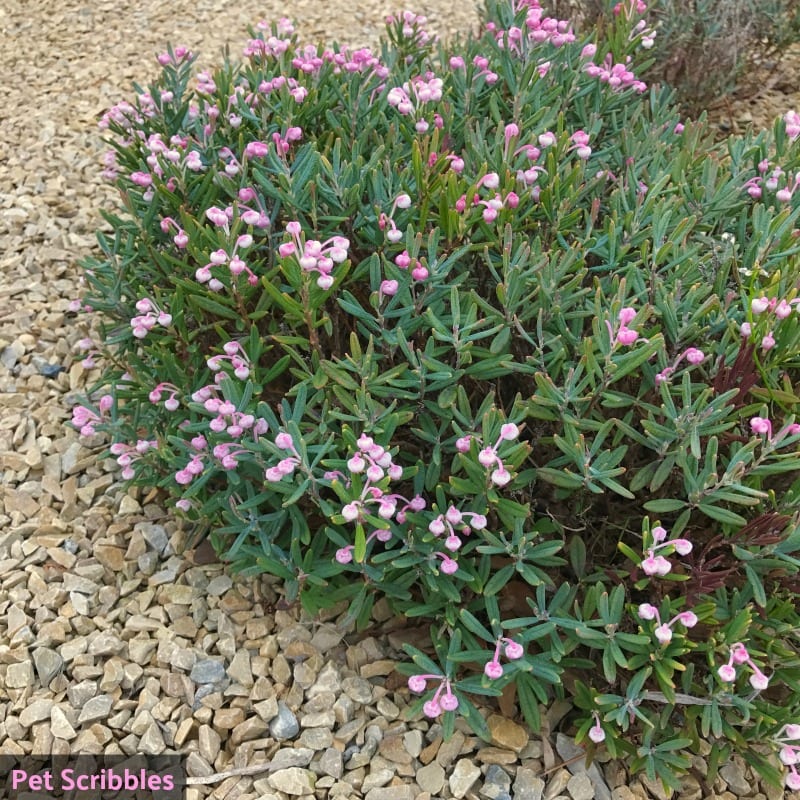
501	476
759	681
688	619
431	709
350	512
727	673
682	546
493	670
647	611
514	650
596	733
663	634
449	567
509	431
417	684
759	305
449	702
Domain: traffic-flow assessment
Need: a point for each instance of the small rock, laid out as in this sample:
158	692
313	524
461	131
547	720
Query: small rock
228	718
207	671
507	734
18	676
557	784
81	693
292	757
580	787
209	742
284	725
358	689
496	784
152	743
376	778
527	785
463	777
252	728
734	775
60	726
331	763
36	711
239	669
219	585
450	750
294	781
430	778
154	535
404	792
48	664
95	709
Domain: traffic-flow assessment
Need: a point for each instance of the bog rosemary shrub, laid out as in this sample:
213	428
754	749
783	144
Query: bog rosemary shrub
484	330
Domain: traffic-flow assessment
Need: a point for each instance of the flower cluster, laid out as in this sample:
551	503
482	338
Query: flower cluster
624	335
616	75
761	307
513	650
236	355
428	90
85	420
488	456
316	256
443	524
691	354
286	466
663	631
538	29
127	453
738	656
442	700
171	403
656	563
149	316
788	739
762	426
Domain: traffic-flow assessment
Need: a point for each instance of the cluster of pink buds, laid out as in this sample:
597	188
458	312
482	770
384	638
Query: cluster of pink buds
179	54
770	180
513	650
760	305
538	29
316	256
738	656
403	260
412	26
235	353
249	215
792	120
84	419
205	83
648	35
428	90
235	264
272	46
691	354
180	238
286	466
171	403
194	468
624	335
617	76
488	456
228	419
762	426
663	631
149	316
128	453
394	235
630	8
657	564
442	700
788	739
444	524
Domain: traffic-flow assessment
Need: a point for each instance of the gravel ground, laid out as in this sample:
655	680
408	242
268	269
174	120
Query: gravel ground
113	637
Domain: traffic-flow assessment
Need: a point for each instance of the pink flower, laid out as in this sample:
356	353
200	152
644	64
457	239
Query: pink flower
493	670
727	673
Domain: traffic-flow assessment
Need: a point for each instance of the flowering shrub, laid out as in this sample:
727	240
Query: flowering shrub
486	331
